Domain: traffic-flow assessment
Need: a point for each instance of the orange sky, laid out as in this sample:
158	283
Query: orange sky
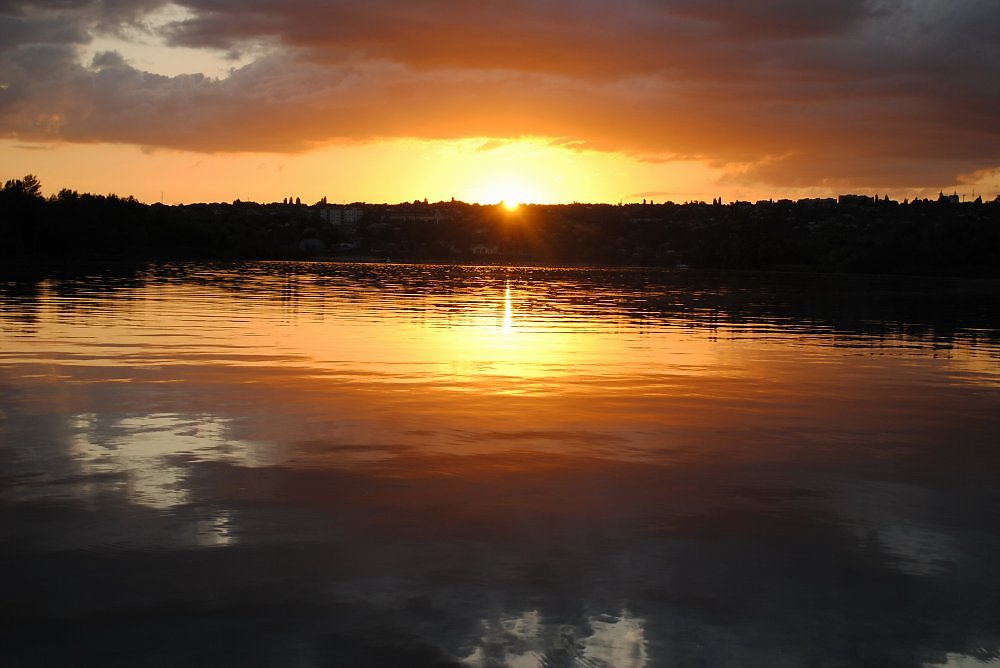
567	100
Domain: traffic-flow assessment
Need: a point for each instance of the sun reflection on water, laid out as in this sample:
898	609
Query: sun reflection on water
508	311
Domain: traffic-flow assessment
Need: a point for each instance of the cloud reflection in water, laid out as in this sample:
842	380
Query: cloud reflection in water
483	466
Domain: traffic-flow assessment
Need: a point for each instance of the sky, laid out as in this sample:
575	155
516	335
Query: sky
525	100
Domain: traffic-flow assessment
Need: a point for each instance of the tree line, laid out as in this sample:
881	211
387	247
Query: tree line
856	233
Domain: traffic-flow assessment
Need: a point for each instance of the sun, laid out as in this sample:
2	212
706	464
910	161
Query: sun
509	193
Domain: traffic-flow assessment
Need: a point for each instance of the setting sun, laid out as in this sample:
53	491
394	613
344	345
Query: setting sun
510	205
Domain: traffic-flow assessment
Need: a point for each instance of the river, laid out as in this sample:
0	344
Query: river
314	464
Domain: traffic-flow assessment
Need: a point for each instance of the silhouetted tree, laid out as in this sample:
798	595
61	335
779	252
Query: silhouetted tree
29	186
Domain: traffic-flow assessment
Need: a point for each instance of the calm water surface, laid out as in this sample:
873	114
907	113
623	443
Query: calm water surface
367	465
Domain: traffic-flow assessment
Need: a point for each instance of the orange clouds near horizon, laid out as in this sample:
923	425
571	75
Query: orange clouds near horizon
569	100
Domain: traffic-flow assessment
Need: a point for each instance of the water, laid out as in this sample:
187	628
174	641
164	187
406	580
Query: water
387	465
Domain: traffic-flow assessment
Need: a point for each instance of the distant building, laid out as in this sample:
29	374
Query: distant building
856	199
341	215
949	199
404	213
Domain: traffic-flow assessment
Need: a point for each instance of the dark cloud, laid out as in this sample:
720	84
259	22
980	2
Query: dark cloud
18	31
887	93
111	10
778	17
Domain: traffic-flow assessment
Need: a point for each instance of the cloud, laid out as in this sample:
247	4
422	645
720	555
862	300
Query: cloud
858	93
778	18
490	145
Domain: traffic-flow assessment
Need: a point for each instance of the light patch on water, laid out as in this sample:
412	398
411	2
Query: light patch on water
962	661
898	518
215	531
151	451
616	641
149	480
527	641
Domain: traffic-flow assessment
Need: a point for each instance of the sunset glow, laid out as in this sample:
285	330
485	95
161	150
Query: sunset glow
523	170
392	101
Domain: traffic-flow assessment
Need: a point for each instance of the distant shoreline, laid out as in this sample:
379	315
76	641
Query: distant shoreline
851	235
